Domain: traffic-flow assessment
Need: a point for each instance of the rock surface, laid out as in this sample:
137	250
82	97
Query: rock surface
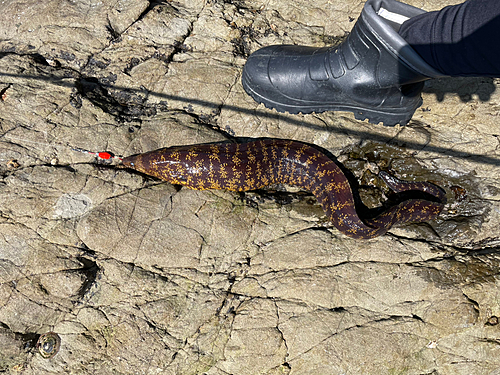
141	277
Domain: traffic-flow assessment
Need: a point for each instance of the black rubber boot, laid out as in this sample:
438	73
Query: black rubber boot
374	73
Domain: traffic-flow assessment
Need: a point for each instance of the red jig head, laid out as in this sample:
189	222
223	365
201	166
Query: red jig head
106	156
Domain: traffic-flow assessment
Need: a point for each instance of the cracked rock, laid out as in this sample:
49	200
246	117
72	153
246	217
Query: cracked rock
138	276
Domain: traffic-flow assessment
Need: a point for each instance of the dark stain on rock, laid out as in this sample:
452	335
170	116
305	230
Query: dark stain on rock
134	61
75	100
125	105
68	56
110	79
99	64
334	40
242	44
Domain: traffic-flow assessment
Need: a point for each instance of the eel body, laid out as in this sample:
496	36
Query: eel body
253	165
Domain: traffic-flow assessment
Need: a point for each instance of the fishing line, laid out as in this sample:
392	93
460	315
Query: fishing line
104	155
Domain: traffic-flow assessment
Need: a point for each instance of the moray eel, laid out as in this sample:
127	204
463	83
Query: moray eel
253	165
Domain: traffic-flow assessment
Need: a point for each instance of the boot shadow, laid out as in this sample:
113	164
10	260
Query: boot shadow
466	88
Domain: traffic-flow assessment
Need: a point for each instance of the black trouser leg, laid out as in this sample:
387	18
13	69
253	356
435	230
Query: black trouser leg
459	40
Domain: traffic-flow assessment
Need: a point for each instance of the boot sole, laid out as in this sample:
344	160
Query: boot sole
373	115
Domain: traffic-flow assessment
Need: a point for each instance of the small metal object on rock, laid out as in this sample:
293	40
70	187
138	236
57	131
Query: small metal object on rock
48	344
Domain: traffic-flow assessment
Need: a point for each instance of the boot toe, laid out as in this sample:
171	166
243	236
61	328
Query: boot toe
276	75
255	76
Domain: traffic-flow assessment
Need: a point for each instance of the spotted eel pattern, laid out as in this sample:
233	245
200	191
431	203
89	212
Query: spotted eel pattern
253	165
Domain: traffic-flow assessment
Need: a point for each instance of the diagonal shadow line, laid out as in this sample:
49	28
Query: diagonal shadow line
273	115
